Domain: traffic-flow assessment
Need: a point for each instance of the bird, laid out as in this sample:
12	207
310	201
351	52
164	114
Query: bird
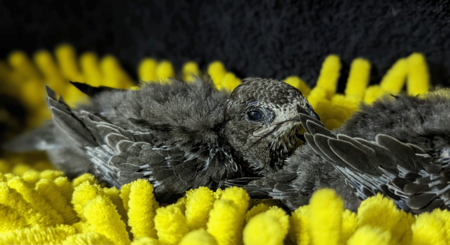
178	135
399	147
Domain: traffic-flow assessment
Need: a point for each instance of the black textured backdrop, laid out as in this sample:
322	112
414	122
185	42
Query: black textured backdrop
253	38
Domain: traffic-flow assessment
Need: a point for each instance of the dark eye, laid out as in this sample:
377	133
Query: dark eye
254	115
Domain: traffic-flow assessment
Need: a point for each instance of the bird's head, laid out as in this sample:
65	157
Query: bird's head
262	123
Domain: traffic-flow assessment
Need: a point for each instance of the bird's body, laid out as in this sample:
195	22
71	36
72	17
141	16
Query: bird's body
185	135
177	135
399	146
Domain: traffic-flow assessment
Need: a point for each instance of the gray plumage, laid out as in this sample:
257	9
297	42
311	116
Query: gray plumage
178	135
399	146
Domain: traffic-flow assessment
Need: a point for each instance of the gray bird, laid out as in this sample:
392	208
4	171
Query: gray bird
177	135
399	146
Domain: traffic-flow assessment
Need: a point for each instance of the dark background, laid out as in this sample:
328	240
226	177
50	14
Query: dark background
252	38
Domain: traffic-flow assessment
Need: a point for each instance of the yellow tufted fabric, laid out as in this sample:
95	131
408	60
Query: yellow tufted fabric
41	206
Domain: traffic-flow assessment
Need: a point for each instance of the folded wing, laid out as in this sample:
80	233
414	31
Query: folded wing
120	155
404	172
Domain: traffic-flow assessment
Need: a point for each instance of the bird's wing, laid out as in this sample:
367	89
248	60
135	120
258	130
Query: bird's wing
402	171
92	91
45	137
120	156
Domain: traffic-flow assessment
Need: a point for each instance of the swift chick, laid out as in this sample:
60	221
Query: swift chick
177	135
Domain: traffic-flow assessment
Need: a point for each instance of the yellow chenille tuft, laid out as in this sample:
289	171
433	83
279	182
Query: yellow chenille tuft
224	222
82	178
190	70
37	235
217	71
260	208
86	238
114	195
103	218
349	225
373	93
394	80
170	224
142	209
198	204
317	96
300	223
387	217
239	196
11	198
64	185
11	219
23	66
299	84
145	241
323	221
83	194
113	74
230	81
264	229
38	202
51	174
53	194
125	195
38	206
329	75
418	76
49	69
368	235
429	229
325	216
66	57
358	79
57	70
147	70
445	216
91	69
164	70
198	237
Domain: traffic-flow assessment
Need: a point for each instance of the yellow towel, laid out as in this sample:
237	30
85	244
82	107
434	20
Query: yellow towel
39	206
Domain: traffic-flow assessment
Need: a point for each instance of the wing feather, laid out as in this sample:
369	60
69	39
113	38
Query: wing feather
121	155
402	171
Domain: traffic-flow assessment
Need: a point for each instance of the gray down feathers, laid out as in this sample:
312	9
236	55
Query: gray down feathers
182	136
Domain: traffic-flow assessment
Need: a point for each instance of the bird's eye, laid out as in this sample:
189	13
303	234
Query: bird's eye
254	115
